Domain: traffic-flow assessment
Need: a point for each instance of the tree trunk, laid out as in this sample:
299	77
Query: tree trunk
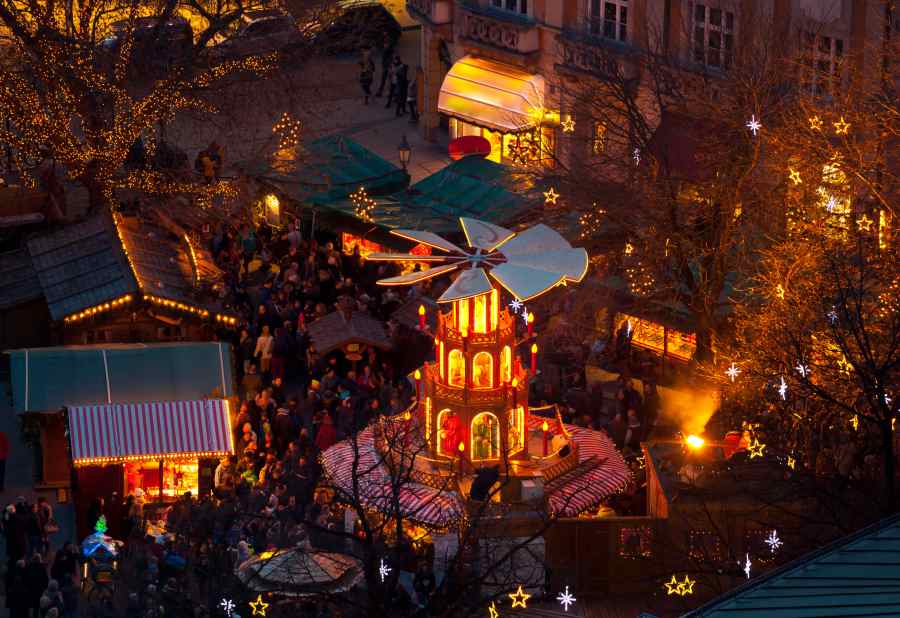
705	337
890	468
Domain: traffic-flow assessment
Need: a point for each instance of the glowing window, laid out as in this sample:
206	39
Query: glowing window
516	421
428	420
457	363
495	307
461	308
485	437
483	370
481	307
441	361
506	364
450	432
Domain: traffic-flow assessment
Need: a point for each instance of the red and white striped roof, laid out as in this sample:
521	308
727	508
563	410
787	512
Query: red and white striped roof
118	432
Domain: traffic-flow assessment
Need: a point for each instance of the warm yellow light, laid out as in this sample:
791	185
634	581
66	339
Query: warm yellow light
407	415
534	348
531	318
545	426
695	442
462	446
418	375
515	382
421	309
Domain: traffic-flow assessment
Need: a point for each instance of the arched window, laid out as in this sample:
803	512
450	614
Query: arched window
506	365
449	431
481	313
485	437
516	420
461	309
483	370
457	373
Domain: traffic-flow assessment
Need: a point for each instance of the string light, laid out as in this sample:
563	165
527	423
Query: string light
101	308
519	598
565	599
844	365
779	291
854	422
733	372
363	205
288	131
791	462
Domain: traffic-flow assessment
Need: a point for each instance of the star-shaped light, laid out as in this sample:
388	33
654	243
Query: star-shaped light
756	449
519	598
844	365
795	176
636	155
383	570
525	315
887	400
779	291
686	587
854	422
672	586
802	369
568	125
815	123
492	611
754	125
550	196
227	606
773	541
733	372
791	462
515	304
832	204
565	599
259	606
747	565
864	223
841	127
782	389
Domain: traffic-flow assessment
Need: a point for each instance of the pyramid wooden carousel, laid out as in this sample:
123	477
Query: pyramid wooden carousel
472	410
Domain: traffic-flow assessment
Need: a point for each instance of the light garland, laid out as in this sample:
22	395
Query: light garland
288	131
174	304
363	205
864	223
519	598
96	309
815	123
100	461
565	599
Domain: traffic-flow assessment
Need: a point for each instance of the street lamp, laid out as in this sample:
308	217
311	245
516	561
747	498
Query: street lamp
404	150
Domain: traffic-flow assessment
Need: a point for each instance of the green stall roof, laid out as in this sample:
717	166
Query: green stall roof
471	187
46	379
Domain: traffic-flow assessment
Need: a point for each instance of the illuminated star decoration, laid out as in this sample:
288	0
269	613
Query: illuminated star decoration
791	462
864	223
565	599
779	291
844	365
733	372
841	127
672	586
636	155
568	125
383	570
756	449
832	204
802	369
515	304
492	611
747	565
227	606
855	422
815	123
754	125
519	598
686	587
259	606
773	541
550	196
782	389
525	317
795	176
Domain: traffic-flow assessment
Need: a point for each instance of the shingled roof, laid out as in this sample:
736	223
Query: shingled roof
81	265
18	281
335	330
858	575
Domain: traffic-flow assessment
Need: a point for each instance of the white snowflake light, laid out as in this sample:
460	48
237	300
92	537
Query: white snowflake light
383	570
524	315
802	369
733	372
782	389
565	599
754	125
636	155
515	304
832	204
227	606
832	316
747	565
773	541
628	328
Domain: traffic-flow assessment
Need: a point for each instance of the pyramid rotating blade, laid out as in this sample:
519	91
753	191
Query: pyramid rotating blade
537	239
571	263
419	276
406	257
428	238
483	235
469	283
525	282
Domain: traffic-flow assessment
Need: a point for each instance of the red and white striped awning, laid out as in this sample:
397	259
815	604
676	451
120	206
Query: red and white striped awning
118	432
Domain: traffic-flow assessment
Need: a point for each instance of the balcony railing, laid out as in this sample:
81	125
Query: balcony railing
499	29
435	12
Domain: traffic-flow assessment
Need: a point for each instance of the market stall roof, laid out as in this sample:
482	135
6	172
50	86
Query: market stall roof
471	187
492	94
46	379
18	281
337	329
117	432
857	575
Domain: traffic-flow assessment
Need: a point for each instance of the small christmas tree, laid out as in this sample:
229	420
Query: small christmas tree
100	527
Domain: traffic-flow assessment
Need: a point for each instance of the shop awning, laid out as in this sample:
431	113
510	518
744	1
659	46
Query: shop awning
118	432
492	94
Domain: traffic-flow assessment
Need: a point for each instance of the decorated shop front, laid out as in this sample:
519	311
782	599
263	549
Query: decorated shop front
657	337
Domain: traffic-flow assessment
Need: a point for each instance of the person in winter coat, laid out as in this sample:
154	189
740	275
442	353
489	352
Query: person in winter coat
402	87
16	591
263	350
36	580
366	74
327	435
281	348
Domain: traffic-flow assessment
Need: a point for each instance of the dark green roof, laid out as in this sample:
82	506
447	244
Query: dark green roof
18	281
858	575
471	187
46	379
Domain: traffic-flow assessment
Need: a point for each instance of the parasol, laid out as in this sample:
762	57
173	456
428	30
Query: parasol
300	572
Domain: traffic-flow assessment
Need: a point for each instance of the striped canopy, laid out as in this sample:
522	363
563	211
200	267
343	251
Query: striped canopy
118	432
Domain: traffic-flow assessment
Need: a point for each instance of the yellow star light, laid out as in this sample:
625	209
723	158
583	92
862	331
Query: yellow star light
492	611
672	586
687	586
841	127
756	449
779	291
855	422
550	196
568	125
795	177
519	598
815	123
864	223
791	462
259	606
844	365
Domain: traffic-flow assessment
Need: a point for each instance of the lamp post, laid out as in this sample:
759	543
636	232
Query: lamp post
404	150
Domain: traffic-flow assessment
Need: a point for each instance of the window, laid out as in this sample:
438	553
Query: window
428	420
705	546
450	432
483	370
609	19
598	138
457	364
485	436
481	313
506	365
516	6
822	58
516	421
713	30
441	361
634	542
461	317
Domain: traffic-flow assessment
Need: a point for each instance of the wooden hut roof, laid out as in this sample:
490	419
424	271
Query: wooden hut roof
335	330
18	281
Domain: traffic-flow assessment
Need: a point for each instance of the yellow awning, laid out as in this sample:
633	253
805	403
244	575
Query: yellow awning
492	94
